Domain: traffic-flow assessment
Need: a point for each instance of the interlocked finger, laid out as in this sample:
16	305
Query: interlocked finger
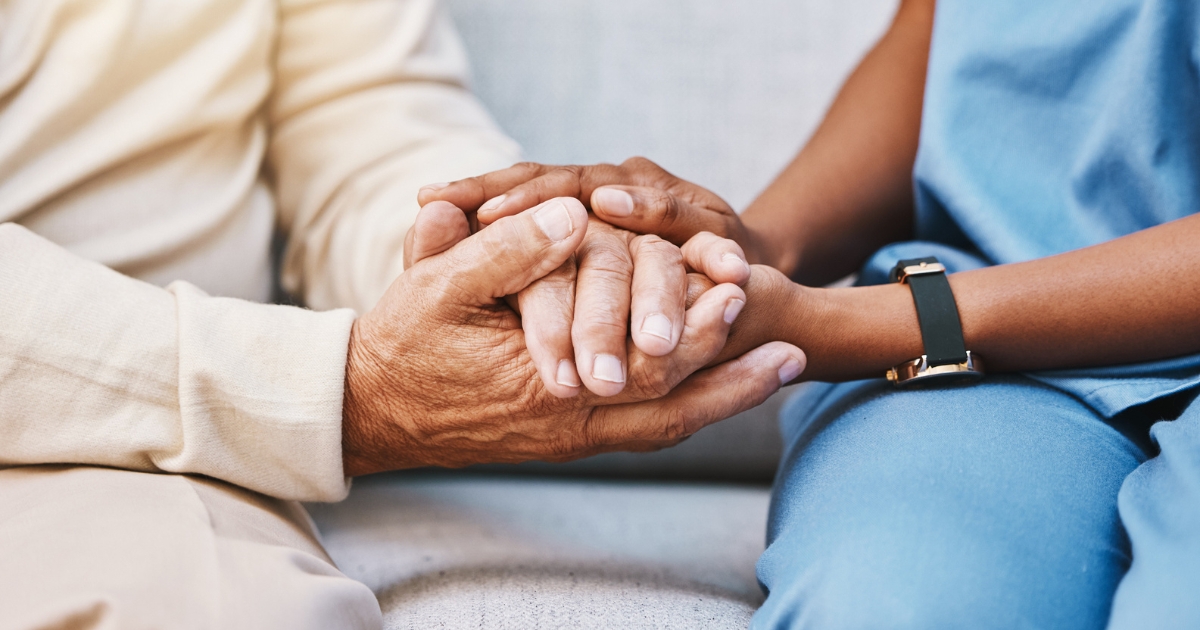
659	295
547	310
704	398
602	300
721	259
706	327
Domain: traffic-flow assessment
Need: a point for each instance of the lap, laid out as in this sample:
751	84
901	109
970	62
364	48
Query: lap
1160	509
989	506
84	546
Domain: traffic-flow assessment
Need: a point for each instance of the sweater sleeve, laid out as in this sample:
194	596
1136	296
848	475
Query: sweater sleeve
370	103
98	368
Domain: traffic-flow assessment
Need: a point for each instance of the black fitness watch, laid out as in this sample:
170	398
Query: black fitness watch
946	357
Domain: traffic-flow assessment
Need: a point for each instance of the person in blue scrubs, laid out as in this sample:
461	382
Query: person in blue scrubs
1048	153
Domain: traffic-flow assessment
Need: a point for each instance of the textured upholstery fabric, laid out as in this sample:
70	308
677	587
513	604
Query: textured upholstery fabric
719	92
469	551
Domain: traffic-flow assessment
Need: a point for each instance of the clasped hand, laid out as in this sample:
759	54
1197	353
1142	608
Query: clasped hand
640	197
451	369
577	317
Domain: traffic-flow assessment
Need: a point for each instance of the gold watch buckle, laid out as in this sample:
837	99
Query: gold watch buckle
919	369
922	269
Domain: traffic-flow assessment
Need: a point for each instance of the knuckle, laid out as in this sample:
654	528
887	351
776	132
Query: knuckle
561	448
643	240
657	245
588	438
659	296
607	276
675	424
559	284
593	327
547	332
706	246
653	383
528	168
502	239
660	208
600	321
670	211
670	252
658	250
558	178
639	163
448	288
605	257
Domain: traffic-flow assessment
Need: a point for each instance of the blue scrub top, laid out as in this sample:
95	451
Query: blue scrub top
1051	125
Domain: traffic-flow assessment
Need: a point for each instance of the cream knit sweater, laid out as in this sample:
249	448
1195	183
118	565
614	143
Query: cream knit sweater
161	142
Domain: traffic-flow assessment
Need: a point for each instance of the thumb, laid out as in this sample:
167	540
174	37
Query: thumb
648	210
512	253
439	226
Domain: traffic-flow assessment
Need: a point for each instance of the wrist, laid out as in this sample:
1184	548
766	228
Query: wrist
856	332
764	246
368	444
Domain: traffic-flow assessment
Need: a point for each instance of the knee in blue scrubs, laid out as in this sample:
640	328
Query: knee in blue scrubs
1160	508
987	506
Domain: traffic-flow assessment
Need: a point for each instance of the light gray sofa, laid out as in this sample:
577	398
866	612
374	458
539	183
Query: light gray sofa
717	91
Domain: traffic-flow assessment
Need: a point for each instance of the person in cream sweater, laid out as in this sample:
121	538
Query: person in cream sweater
158	422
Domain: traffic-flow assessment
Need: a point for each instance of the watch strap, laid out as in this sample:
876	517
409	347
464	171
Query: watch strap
937	312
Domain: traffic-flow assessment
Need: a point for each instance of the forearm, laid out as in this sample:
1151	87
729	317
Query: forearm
346	248
369	104
1132	299
849	191
99	369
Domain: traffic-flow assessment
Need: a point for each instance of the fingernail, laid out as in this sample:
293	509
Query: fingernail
493	203
613	202
731	258
733	309
658	325
608	368
437	186
567	376
554	220
790	370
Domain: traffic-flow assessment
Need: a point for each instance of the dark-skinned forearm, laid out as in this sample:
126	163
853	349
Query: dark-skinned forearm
1132	299
849	191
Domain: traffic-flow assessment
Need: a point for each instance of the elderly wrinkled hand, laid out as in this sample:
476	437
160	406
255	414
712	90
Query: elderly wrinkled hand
617	284
438	373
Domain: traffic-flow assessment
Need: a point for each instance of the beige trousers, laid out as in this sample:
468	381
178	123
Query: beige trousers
84	547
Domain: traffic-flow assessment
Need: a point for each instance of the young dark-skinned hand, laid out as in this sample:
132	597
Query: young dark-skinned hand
637	195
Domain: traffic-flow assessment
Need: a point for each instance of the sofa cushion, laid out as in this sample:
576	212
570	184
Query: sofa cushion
455	550
719	92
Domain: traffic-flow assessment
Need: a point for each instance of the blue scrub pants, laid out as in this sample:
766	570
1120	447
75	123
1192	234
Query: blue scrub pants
1006	504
